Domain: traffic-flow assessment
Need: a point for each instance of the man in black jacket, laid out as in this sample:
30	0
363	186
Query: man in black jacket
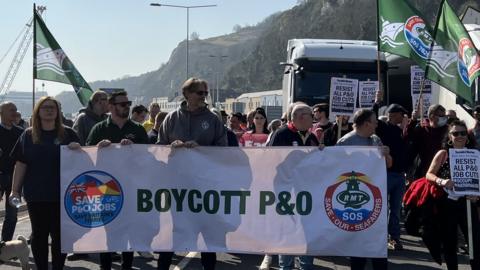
9	134
296	133
391	134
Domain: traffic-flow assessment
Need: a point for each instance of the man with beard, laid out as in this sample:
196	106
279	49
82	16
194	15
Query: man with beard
117	128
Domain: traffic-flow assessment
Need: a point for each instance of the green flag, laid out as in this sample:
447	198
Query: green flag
457	53
403	31
52	64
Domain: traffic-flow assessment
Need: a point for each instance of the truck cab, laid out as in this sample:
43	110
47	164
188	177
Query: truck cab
311	63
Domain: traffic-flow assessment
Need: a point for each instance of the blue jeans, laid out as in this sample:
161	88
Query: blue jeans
10	220
395	189
287	262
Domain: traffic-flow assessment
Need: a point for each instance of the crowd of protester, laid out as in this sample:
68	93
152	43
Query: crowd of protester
30	160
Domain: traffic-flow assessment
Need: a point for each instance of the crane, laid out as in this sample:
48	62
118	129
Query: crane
19	55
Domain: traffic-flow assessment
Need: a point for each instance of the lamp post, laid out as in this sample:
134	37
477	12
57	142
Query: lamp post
220	58
188	18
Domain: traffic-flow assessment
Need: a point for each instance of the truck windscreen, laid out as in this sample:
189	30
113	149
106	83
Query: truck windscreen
312	80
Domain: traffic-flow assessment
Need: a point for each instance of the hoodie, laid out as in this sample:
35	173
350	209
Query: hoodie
84	123
201	126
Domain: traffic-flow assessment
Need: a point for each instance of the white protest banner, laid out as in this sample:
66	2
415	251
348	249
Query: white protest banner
343	96
416	77
277	200
464	171
366	93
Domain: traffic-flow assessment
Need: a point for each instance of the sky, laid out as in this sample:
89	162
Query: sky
108	39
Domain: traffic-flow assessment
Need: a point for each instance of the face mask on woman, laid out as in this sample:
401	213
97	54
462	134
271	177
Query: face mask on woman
442	121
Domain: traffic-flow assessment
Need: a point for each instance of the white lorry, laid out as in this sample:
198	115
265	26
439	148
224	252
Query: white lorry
311	63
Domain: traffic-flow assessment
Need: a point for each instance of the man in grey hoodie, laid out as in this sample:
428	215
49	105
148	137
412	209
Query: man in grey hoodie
193	124
94	113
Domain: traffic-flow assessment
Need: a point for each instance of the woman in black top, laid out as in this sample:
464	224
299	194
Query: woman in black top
451	211
37	171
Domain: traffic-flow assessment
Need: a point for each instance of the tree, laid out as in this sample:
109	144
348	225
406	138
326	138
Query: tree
237	28
194	36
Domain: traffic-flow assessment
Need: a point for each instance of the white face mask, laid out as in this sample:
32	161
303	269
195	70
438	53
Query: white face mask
442	121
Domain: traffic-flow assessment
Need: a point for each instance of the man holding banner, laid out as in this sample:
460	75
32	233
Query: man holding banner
296	134
193	124
363	134
117	128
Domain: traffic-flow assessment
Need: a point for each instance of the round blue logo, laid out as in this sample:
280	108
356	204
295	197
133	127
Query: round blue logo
417	36
468	62
93	199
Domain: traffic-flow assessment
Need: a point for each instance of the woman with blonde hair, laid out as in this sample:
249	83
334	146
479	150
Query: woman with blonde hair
37	172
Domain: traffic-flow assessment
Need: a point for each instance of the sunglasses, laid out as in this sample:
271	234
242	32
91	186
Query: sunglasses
202	93
459	133
124	103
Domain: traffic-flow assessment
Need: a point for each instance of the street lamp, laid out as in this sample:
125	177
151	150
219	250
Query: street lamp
220	58
188	18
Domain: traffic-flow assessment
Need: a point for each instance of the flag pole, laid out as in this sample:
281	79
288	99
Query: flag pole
34	55
422	85
476	89
469	224
378	49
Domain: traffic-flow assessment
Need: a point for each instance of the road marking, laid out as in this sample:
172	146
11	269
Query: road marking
185	260
19	220
182	264
22	219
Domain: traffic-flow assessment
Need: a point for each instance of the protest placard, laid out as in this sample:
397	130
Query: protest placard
464	171
343	96
416	77
426	102
366	93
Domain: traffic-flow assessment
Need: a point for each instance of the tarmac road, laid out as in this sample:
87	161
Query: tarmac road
414	257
